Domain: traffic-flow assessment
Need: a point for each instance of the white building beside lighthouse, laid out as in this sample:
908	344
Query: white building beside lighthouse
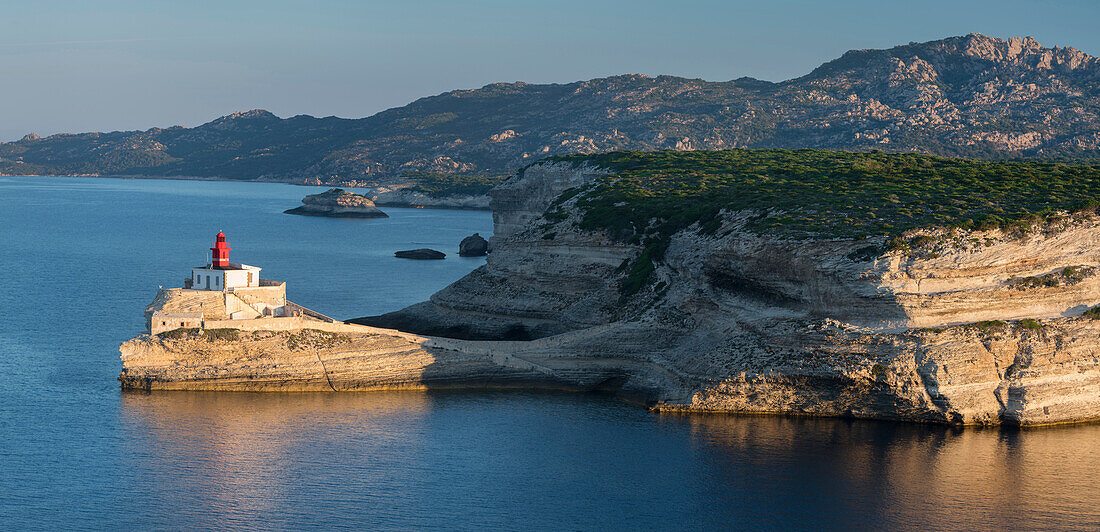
221	274
220	294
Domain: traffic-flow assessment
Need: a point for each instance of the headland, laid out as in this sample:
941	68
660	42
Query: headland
750	281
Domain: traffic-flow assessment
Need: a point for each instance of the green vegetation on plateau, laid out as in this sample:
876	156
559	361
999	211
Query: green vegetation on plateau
827	193
819	194
443	185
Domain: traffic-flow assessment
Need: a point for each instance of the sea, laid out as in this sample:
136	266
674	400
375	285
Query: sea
81	257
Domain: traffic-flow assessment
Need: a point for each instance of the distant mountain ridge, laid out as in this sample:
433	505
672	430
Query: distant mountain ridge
970	96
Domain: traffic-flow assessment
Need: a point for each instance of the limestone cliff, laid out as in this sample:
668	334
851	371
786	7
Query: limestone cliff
973	327
959	326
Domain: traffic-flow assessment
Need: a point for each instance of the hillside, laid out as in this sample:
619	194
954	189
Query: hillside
971	96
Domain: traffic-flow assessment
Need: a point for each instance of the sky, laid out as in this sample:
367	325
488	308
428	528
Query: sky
122	65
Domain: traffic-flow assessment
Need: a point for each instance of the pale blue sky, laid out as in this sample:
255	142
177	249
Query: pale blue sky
121	64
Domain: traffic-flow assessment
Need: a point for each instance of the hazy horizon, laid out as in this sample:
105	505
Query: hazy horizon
129	65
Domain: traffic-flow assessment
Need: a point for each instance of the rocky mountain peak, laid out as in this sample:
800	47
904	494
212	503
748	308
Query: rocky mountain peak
30	137
247	116
1024	52
251	115
1019	54
243	119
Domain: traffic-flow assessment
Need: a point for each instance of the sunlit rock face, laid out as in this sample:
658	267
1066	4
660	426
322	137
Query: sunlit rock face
974	327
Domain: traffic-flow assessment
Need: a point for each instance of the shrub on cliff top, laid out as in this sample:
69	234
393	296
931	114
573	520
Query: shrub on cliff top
176	334
820	194
829	193
222	334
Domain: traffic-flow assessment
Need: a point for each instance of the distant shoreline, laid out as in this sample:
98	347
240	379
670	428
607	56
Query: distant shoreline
397	204
186	178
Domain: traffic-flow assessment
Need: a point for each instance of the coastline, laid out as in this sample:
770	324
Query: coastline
355	358
978	327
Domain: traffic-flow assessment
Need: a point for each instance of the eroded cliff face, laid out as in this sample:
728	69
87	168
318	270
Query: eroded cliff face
740	322
358	358
530	286
548	276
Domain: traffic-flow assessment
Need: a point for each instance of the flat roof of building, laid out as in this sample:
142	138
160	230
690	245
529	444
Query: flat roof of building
232	266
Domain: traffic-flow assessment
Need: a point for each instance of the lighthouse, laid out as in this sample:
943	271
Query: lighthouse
220	257
220	274
223	294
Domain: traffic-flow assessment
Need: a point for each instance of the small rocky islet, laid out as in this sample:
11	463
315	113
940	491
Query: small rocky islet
472	246
337	203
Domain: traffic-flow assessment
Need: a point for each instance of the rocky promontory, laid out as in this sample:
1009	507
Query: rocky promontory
337	203
809	283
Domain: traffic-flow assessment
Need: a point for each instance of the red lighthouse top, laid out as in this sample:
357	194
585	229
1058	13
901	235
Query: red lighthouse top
220	252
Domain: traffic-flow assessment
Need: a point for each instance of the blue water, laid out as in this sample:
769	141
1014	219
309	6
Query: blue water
80	258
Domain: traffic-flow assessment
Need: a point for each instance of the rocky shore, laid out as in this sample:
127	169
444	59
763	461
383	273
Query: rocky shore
981	328
337	203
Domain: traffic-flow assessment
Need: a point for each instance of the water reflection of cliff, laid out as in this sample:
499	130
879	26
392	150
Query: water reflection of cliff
908	476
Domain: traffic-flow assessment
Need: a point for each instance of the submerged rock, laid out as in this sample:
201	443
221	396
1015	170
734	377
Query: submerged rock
421	254
473	246
337	203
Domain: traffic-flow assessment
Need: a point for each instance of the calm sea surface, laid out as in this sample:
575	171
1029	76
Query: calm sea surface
80	258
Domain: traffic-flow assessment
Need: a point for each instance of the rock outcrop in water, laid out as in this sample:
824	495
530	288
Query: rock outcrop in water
337	203
473	246
420	254
987	328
